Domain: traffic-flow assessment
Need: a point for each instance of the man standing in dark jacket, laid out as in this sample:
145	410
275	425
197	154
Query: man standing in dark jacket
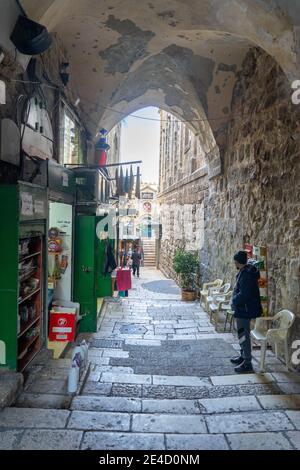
246	305
136	262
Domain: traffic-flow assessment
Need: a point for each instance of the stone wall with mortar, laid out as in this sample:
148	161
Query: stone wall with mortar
256	200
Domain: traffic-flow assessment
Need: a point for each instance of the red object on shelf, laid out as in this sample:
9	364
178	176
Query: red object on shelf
123	279
103	157
62	324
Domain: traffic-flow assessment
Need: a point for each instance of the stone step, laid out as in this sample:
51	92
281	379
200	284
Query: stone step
11	385
176	406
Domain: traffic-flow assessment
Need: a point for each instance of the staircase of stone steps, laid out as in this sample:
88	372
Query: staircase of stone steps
149	252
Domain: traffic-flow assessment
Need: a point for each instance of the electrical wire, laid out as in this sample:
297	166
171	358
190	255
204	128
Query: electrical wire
144	118
57	87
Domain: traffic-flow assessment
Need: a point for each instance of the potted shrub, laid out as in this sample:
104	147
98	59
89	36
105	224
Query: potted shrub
185	264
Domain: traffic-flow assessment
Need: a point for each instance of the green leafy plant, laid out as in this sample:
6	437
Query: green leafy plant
185	264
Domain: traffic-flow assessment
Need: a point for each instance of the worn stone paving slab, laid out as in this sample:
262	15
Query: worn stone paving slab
182	424
31	400
121	441
50	440
196	442
289	388
102	361
242	379
294	438
33	418
94	376
99	421
280	402
113	369
143	342
48	386
126	390
259	389
192	393
180	380
229	404
157	337
126	378
9	439
115	353
289	377
60	373
159	391
246	422
294	416
178	407
97	388
186	358
259	441
118	404
101	343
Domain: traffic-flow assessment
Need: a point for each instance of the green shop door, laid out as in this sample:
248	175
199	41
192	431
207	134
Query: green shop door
84	272
89	281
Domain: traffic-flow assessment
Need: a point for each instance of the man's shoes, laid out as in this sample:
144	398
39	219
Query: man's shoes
244	368
237	360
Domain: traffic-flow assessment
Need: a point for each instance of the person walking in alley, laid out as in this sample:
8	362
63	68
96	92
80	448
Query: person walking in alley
246	305
136	262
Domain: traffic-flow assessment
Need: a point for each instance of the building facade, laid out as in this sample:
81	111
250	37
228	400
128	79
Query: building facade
182	189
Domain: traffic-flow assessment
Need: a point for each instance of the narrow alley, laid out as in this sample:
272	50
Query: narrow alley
160	378
150	227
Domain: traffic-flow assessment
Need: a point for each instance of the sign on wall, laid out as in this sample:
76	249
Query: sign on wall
258	256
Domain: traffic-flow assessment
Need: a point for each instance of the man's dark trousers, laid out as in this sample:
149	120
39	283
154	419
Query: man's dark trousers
243	329
136	269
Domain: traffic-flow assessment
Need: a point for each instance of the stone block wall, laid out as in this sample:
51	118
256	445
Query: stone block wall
257	197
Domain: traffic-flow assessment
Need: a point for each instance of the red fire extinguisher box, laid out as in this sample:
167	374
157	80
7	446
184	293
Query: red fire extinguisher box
62	324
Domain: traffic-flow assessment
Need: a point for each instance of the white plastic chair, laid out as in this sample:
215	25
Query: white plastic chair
216	305
220	291
204	293
277	335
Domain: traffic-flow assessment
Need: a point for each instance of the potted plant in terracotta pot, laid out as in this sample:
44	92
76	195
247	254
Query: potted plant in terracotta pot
185	264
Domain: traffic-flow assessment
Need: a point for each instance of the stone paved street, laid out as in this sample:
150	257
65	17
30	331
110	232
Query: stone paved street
160	378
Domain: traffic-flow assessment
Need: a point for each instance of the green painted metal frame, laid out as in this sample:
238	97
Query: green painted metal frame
89	281
14	226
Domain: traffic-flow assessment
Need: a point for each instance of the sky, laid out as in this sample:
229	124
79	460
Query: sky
140	141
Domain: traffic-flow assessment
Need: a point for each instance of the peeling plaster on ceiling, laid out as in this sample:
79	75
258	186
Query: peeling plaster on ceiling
183	55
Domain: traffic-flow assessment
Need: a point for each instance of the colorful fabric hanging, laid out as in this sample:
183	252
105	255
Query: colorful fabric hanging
138	184
123	279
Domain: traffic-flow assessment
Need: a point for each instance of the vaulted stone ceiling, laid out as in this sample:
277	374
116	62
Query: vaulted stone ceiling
180	55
